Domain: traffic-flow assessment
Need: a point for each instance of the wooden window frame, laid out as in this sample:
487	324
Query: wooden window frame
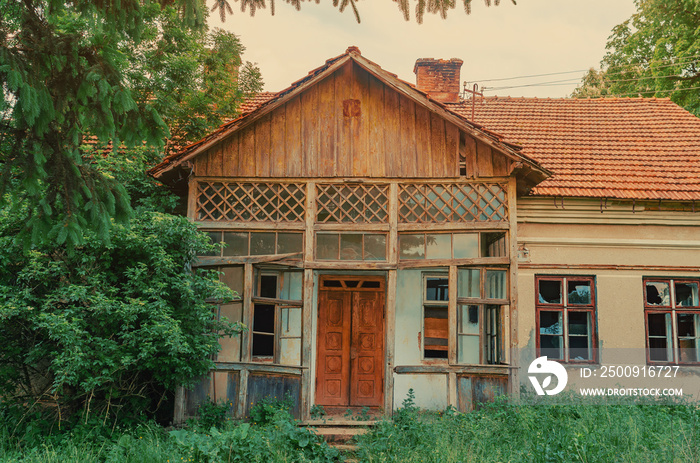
249	233
564	308
480	244
673	310
351	232
279	305
429	303
486	355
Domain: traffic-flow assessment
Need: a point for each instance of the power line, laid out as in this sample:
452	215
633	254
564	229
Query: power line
527	77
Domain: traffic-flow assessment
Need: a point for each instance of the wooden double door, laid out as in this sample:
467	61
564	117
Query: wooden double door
350	354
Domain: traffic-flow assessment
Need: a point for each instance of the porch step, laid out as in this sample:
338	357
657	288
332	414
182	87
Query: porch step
339	434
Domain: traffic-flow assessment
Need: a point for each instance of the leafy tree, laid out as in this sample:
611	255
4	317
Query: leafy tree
654	53
421	7
107	326
76	68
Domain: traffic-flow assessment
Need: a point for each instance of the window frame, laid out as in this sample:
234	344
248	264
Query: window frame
278	305
564	307
425	276
488	354
673	310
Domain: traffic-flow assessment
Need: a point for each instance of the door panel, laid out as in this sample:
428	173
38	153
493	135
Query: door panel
333	366
367	352
350	354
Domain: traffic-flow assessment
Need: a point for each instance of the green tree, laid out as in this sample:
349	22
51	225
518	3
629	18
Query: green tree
420	7
109	70
654	53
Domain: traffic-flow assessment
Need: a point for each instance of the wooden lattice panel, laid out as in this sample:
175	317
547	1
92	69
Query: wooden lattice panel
352	203
251	202
435	203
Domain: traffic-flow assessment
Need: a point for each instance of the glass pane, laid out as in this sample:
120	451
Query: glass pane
468	350
411	246
686	324
436	289
291	286
493	245
230	345
496	284
659	326
438	246
550	346
686	294
290	321
469	282
236	244
687	337
578	292
268	286
262	243
579	348
466	245
550	322
468	319
579	323
290	351
550	292
289	242
658	294
350	246
375	247
233	278
327	246
214	238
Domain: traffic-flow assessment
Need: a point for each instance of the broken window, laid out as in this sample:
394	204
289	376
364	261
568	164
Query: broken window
482	315
435	316
277	320
672	319
566	318
232	311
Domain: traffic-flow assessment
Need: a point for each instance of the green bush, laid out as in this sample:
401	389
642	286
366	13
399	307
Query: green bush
107	329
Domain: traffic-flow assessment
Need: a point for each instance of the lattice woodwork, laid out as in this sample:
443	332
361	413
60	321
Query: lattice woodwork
251	202
352	203
436	203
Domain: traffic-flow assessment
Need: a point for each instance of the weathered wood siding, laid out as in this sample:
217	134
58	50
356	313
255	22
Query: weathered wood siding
350	125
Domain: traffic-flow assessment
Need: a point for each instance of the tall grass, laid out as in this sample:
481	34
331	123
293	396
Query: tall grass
574	430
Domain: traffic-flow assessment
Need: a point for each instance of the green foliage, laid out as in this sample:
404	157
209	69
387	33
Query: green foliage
105	328
212	415
117	71
421	7
268	408
575	429
654	53
317	412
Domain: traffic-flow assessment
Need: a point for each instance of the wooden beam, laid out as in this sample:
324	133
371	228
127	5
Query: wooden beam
513	357
258	367
390	321
425	263
247	315
446	369
307	344
233	260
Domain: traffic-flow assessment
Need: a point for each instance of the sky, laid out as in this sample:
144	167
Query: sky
498	42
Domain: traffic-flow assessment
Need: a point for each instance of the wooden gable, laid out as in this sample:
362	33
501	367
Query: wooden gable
351	124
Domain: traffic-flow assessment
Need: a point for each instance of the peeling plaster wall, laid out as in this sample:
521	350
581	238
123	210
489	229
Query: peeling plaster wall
619	256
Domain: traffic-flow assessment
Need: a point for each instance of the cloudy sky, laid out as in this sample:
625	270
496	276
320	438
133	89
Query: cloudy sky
530	38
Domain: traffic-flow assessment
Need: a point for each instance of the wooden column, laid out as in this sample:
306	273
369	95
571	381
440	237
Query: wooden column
390	321
192	198
247	315
242	392
512	350
179	415
307	344
452	336
393	253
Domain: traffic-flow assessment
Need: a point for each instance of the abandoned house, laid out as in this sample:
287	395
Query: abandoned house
385	236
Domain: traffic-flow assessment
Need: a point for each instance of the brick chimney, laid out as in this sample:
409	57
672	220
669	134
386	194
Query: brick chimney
439	78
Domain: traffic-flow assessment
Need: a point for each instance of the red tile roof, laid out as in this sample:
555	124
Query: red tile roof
634	148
